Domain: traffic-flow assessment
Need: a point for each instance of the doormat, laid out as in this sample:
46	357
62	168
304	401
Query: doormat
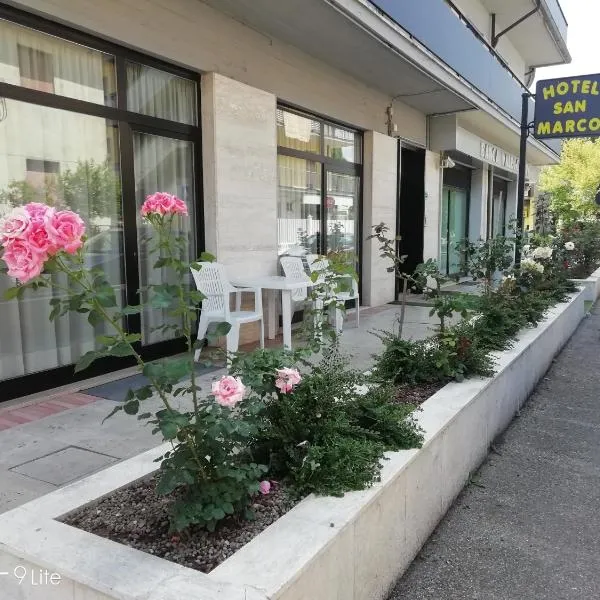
117	390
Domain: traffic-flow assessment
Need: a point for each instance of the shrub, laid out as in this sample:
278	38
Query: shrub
453	354
330	434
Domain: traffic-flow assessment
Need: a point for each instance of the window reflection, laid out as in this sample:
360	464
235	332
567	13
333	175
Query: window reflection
62	159
298	206
42	62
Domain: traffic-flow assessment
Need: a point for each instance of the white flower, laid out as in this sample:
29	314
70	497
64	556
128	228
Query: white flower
528	264
569	246
526	249
542	252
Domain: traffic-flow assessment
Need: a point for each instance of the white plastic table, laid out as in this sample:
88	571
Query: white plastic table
274	284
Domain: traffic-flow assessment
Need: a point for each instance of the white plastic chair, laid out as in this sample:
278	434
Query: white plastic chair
293	269
318	263
211	280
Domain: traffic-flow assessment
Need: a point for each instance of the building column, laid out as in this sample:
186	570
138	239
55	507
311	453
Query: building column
379	205
239	148
478	209
433	193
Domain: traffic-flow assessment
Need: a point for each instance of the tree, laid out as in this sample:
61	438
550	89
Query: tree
573	184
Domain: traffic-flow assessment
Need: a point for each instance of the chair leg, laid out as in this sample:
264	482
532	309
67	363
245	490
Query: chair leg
318	319
336	318
202	329
262	333
233	339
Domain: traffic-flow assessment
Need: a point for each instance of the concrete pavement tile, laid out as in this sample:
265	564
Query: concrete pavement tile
17	489
64	466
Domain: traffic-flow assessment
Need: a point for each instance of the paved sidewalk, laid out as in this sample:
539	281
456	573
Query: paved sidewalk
57	437
528	526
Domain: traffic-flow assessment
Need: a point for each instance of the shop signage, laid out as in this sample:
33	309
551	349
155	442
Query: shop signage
567	107
498	157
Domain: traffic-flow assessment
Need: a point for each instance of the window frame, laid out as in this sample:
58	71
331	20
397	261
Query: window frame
127	122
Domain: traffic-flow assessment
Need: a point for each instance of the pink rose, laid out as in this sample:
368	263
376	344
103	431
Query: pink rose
264	487
287	379
36	236
22	262
14	224
228	391
38	211
65	230
161	203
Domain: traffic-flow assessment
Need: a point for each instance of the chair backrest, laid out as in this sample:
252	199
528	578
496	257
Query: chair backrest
318	263
211	280
293	269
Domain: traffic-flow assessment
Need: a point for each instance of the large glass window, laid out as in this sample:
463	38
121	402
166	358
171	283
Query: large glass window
319	174
100	154
62	159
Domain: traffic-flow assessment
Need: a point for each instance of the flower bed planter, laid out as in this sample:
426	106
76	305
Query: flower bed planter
590	285
352	547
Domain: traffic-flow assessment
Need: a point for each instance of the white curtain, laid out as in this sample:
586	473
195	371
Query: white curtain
159	94
162	165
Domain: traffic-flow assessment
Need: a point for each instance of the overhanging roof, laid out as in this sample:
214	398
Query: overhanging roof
322	31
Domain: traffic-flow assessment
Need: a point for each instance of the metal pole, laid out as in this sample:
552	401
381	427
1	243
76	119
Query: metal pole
522	173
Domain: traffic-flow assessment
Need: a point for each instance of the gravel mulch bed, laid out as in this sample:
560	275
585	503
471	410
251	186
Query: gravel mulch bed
412	394
137	517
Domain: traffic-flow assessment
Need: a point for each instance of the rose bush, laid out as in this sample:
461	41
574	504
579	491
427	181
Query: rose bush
314	430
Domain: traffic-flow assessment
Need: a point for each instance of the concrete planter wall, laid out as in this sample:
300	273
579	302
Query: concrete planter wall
590	285
350	548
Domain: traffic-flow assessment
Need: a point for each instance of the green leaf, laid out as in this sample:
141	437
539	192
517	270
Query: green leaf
168	429
144	393
131	310
222	329
132	338
176	369
120	350
132	407
87	359
14	292
227	508
207	257
218	513
95	318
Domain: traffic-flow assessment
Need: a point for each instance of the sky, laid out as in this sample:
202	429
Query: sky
583	40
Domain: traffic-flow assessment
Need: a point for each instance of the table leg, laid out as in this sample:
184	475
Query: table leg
286	317
272	314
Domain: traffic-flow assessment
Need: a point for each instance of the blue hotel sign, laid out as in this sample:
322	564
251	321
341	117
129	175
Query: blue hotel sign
567	107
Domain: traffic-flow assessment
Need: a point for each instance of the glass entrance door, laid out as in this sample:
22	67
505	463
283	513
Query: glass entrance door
500	191
455	209
341	209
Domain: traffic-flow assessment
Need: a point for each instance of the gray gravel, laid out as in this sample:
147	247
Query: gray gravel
530	528
137	517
